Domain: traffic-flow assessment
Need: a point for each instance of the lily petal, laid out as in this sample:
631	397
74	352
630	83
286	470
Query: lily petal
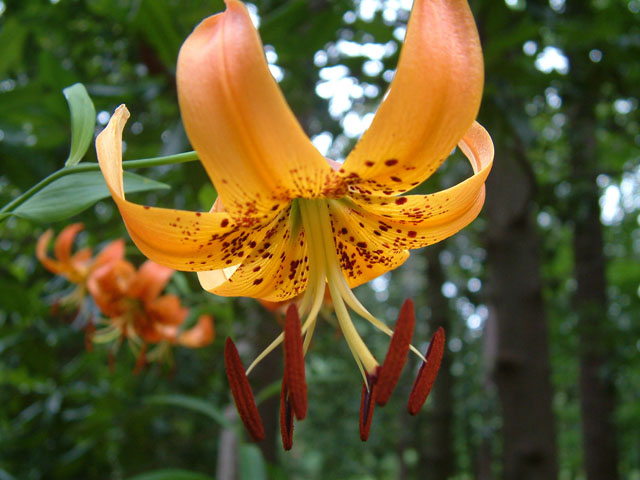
200	335
108	286
41	253
166	310
149	281
178	239
64	242
275	269
415	221
362	256
112	252
433	100
238	121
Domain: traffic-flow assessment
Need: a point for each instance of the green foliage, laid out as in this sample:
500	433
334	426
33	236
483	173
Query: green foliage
191	403
171	474
83	122
66	414
72	194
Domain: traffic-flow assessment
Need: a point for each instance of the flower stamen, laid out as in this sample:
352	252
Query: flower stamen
427	373
241	391
294	363
367	406
389	372
286	416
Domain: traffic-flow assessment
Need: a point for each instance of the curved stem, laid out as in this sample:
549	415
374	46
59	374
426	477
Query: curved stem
90	167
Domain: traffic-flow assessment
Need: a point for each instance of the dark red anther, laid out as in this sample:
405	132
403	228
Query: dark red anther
286	417
89	331
241	391
141	361
389	372
366	406
294	363
427	373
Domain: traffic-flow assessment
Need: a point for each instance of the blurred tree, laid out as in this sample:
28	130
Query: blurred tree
517	334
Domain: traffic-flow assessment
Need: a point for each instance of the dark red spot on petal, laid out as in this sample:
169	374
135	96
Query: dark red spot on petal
427	373
401	200
241	391
224	222
412	234
369	163
396	179
391	162
258	281
198	214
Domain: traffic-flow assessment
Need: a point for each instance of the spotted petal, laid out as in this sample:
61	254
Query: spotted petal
376	225
238	121
178	239
276	269
433	100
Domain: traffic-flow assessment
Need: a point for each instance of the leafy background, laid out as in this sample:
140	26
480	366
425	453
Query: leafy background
67	414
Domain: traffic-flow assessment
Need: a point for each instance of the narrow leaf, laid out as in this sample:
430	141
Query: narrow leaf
190	403
83	121
71	194
171	474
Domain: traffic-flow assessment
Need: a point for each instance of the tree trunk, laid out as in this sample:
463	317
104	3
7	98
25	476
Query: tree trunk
437	459
519	361
597	392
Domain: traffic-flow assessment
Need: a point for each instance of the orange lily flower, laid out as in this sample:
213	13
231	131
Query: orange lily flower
74	267
136	310
288	221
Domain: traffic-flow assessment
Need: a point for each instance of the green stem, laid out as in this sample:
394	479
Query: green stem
90	167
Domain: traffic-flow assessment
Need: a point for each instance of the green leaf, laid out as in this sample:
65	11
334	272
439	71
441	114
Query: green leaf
71	194
171	474
83	121
191	403
252	465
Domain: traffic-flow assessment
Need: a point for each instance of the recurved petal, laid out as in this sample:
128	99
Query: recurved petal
238	121
64	242
275	269
41	253
433	100
150	280
178	239
112	252
415	221
200	335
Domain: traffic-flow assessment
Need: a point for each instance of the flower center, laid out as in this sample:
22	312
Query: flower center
325	270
